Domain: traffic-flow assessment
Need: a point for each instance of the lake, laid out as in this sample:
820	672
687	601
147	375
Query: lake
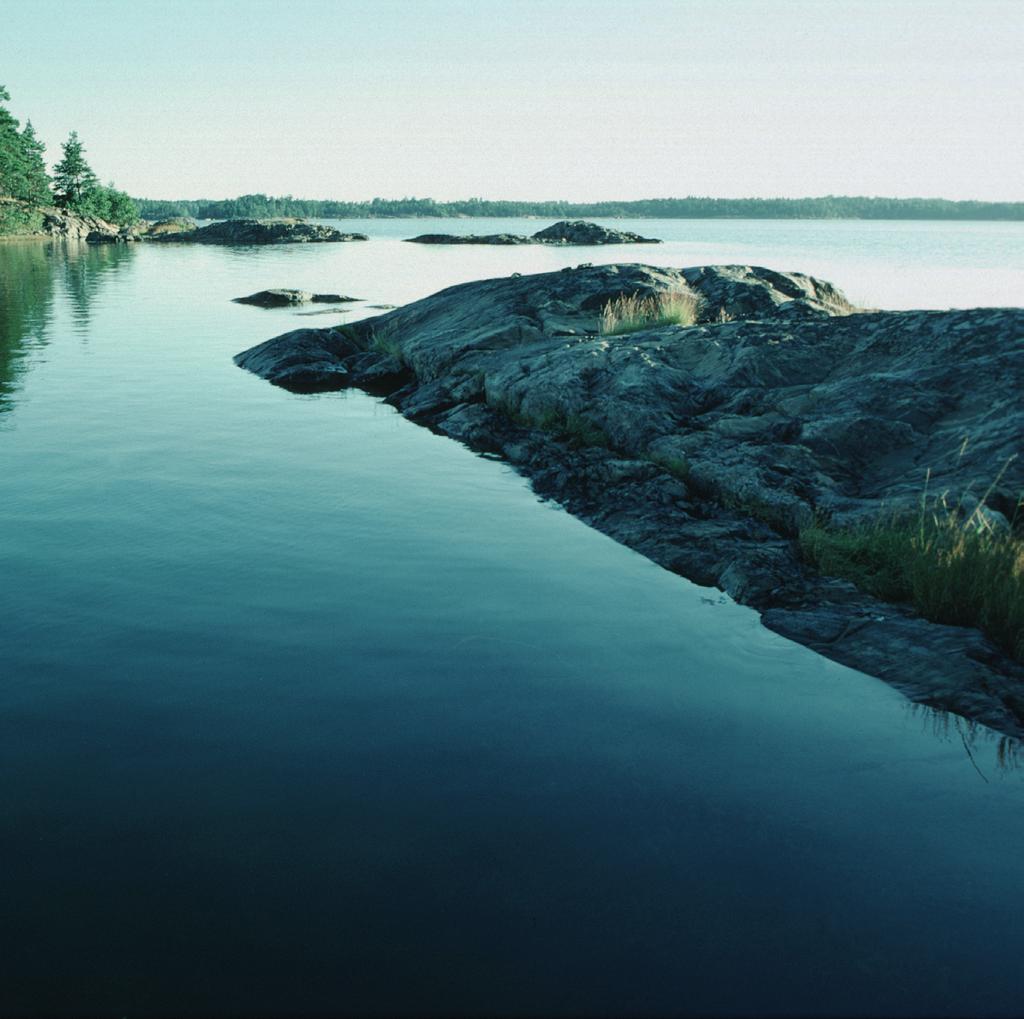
307	710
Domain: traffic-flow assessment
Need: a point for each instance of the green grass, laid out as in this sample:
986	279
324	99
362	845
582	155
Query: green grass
384	340
952	569
630	313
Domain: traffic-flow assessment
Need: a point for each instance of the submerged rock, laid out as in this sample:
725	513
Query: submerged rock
260	231
566	232
707	447
280	298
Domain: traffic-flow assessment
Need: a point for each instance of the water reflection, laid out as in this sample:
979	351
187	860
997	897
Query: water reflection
26	296
85	270
986	750
32	275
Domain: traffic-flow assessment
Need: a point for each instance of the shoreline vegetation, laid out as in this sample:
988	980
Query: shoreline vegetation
260	206
956	565
30	196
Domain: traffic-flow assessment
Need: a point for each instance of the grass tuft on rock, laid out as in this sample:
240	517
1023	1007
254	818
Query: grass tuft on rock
630	313
384	340
954	569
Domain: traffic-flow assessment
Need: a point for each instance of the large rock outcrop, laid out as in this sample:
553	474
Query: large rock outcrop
70	226
259	231
707	447
565	232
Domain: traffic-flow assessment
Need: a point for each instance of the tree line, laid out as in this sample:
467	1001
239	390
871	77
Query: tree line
73	186
261	206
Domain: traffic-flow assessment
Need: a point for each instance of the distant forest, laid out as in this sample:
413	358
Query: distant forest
829	207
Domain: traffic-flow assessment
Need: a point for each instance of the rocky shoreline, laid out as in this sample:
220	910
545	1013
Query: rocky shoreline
57	224
51	223
708	447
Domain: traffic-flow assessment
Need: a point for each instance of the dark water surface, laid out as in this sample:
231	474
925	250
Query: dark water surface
304	709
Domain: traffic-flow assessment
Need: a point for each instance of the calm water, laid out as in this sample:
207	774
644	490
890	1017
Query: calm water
304	709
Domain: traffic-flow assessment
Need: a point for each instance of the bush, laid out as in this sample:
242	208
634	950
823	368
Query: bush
110	204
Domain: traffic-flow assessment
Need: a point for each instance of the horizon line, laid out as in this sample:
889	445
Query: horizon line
599	201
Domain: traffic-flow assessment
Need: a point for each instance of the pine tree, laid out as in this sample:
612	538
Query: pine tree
37	181
22	174
74	183
11	151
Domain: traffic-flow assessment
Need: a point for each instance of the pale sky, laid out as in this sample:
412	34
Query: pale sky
528	99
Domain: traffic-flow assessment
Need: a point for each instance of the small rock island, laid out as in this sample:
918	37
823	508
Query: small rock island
251	231
565	232
282	297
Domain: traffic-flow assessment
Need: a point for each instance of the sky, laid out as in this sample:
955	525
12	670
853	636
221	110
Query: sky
583	100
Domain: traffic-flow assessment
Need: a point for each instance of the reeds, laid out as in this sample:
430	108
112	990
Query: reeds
630	313
953	566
